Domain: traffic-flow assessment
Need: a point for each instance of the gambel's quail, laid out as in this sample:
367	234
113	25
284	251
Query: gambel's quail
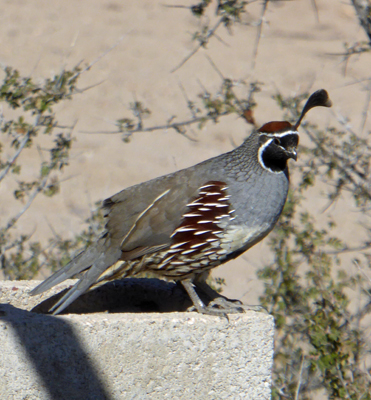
180	225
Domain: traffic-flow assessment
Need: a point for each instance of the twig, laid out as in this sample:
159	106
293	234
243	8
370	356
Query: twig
345	386
223	78
176	6
357	48
40	187
331	202
89	87
202	41
315	8
356	263
356	82
363	12
217	37
137	113
99	57
12	160
174	125
343	170
192	108
55	234
258	35
189	103
300	374
217	70
31	198
348	250
365	109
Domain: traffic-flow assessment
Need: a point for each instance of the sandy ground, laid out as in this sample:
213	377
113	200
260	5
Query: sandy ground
39	38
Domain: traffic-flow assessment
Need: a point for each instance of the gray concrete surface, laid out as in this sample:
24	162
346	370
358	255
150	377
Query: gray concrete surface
131	355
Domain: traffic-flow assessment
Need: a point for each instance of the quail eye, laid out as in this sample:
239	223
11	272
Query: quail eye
277	141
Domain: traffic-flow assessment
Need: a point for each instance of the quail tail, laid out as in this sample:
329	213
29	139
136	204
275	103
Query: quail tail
82	286
94	261
78	264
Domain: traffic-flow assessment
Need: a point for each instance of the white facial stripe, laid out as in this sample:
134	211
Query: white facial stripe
278	135
260	158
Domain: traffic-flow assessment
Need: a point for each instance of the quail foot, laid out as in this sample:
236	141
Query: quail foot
181	225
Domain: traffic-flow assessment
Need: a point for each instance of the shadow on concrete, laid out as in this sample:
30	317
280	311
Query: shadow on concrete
127	295
65	370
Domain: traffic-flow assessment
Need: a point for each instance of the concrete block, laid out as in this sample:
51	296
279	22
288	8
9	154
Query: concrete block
131	355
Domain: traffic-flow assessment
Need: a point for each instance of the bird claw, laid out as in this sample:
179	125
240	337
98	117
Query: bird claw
220	307
210	311
225	303
234	306
226	306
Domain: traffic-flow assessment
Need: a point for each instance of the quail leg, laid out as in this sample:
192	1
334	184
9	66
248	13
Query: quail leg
211	293
221	301
210	310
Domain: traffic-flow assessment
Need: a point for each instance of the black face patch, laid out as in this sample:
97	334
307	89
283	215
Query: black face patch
276	149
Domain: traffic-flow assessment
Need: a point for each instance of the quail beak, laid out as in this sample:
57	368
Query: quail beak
292	154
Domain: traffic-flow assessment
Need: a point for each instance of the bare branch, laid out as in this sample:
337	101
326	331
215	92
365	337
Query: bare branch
217	70
315	8
360	269
348	167
13	159
347	249
190	104
87	68
365	108
356	48
363	10
258	34
223	78
89	87
300	376
31	198
202	42
175	125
